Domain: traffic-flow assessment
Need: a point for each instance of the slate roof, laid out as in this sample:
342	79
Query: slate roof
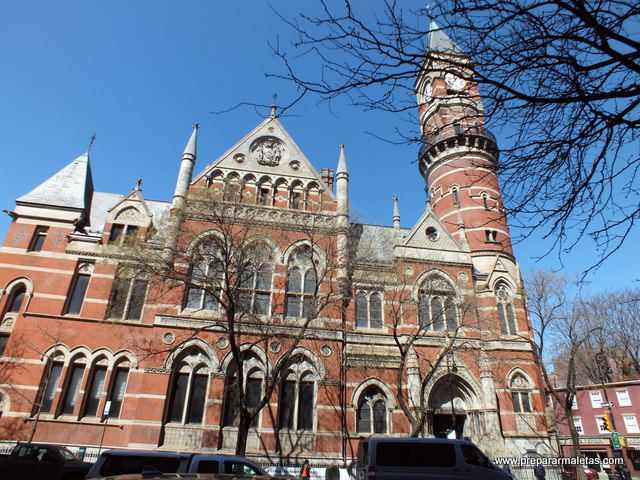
440	41
375	243
70	187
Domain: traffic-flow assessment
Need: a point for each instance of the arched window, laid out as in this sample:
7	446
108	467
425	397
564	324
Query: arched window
188	388
98	377
16	297
297	396
301	285
252	389
49	384
369	310
96	384
127	298
455	194
506	313
207	275
232	189
372	411
520	390
485	201
73	382
254	290
437	309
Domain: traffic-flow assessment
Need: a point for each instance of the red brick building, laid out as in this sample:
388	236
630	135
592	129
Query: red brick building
588	414
77	335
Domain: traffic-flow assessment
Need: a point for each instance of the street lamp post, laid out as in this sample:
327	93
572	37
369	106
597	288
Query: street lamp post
452	369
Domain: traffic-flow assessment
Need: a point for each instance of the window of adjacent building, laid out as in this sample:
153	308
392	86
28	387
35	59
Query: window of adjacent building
125	235
596	399
118	387
254	292
520	394
631	423
188	389
369	310
506	314
77	293
127	298
624	400
437	309
372	411
71	391
574	403
301	285
577	424
38	239
600	423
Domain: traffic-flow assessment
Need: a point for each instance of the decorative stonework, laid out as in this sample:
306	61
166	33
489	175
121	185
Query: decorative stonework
295	165
462	277
268	150
162	371
168	338
222	343
239	157
86	268
275	346
326	350
130	216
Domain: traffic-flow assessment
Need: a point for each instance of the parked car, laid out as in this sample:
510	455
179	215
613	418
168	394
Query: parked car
118	462
185	476
38	461
384	458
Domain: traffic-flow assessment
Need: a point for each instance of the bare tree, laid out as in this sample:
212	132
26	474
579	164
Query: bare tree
559	330
220	267
560	79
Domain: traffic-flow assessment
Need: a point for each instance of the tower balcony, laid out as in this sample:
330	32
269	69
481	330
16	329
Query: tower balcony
453	137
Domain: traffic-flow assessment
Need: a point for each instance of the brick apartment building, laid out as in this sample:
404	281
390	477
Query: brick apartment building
78	334
588	414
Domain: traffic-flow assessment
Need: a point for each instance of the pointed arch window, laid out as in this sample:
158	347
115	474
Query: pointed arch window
16	297
506	314
520	394
297	396
206	280
188	388
255	281
301	285
49	385
73	382
372	411
437	310
96	384
369	310
252	389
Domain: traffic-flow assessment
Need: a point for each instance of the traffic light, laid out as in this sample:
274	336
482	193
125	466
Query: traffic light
606	423
623	442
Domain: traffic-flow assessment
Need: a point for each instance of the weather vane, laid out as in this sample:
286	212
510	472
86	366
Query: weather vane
91	141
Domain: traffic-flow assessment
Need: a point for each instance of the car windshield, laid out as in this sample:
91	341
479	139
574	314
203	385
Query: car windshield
66	454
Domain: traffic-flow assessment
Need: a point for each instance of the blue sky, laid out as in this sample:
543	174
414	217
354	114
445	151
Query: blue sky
140	73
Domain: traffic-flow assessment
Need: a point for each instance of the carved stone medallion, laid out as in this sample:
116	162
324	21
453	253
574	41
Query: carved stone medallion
268	150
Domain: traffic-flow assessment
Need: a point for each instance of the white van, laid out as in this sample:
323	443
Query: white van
381	458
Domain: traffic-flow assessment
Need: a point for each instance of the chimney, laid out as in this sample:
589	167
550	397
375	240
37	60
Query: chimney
327	177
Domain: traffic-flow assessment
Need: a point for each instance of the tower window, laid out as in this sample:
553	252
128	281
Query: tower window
485	201
38	239
491	236
456	196
457	128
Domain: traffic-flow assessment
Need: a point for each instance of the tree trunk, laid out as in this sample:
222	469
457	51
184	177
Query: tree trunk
575	440
243	432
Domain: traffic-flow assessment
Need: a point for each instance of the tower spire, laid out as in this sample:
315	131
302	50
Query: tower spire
396	214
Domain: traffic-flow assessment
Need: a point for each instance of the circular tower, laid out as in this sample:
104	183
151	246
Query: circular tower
458	154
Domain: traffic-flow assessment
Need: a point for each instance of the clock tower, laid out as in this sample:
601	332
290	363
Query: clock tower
458	155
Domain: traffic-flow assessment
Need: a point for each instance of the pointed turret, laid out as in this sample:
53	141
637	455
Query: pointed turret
186	171
396	215
342	183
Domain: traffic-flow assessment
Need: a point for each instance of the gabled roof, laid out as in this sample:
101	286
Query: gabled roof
440	239
71	187
440	41
268	150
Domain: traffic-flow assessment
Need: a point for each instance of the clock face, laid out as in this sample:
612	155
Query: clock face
454	82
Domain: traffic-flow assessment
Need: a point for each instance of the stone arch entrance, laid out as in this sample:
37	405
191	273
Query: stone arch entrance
449	401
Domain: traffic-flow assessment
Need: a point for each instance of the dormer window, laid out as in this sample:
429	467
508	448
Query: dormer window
123	235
